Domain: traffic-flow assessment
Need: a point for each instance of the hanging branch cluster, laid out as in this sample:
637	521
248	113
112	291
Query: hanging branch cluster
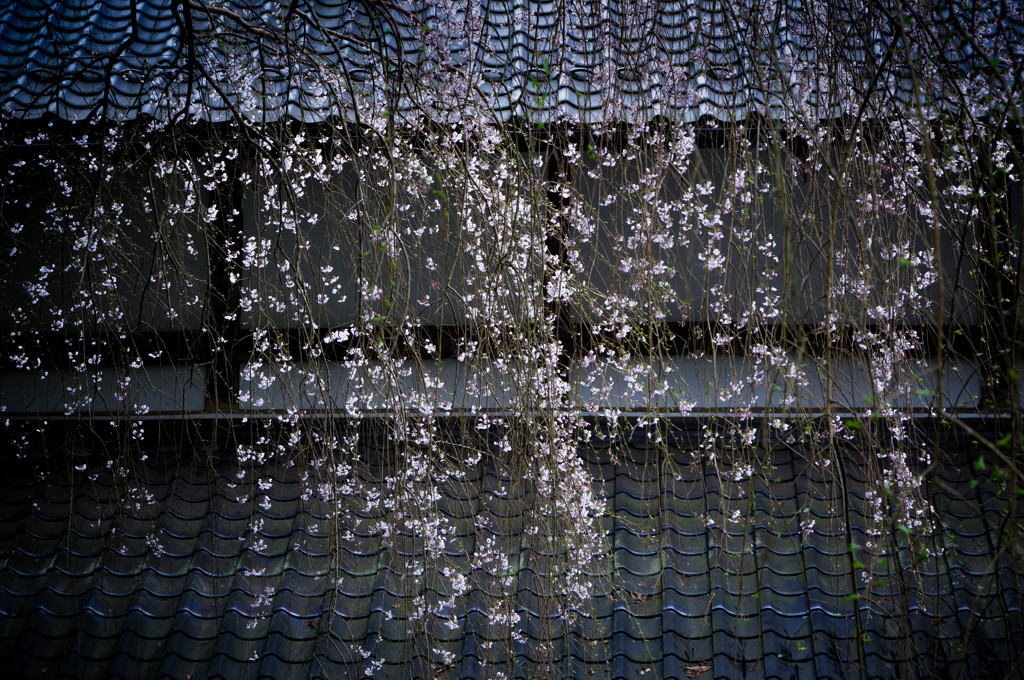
825	255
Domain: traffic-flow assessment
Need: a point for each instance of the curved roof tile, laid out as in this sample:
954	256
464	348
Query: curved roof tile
545	60
768	598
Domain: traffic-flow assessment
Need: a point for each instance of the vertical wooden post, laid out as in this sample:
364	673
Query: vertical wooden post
221	323
558	174
998	288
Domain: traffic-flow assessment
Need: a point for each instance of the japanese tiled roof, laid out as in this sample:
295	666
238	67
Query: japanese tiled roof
576	59
711	578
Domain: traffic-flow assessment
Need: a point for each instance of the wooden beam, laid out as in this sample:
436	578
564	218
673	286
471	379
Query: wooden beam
223	294
670	339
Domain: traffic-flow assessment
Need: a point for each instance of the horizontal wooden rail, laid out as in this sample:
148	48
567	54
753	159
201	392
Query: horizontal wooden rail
448	341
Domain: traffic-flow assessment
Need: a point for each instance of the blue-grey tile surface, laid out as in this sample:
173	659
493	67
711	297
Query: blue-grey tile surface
186	566
539	60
